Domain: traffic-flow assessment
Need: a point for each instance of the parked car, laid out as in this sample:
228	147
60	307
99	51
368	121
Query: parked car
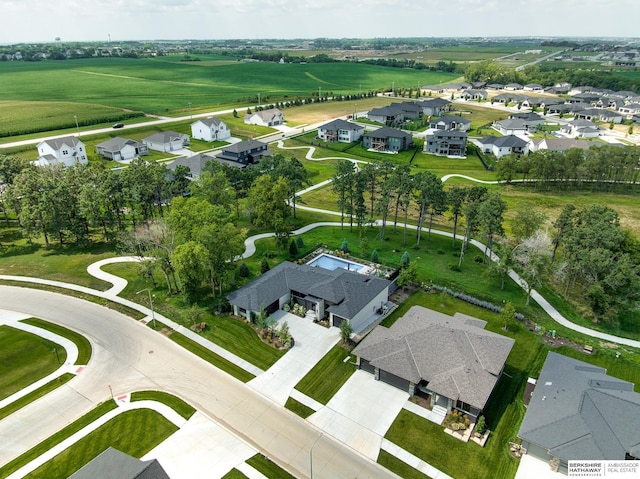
118	125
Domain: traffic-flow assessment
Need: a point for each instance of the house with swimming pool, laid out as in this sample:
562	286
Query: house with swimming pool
328	288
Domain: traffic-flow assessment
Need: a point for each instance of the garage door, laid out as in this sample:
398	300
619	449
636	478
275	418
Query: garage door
394	380
366	366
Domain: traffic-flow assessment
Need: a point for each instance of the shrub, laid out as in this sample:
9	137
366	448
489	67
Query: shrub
345	246
481	427
475	301
293	249
455	267
299	243
264	266
405	260
478	258
374	256
243	271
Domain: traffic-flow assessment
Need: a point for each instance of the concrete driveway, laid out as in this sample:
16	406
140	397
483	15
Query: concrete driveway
361	412
312	342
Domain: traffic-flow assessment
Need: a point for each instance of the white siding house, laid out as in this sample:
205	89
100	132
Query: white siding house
67	151
272	117
210	129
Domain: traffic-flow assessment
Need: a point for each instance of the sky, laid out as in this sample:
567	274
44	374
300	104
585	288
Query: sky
97	20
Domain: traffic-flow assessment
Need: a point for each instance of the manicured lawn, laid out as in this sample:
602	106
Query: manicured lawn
82	343
25	358
269	468
234	474
211	357
178	405
38	393
401	468
57	438
132	432
297	407
327	376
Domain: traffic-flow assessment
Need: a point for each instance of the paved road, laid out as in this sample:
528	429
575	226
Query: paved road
129	356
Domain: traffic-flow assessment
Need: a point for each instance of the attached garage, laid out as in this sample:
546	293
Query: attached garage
366	366
394	380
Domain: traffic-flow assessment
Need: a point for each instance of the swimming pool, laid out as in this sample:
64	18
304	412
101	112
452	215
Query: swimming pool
330	262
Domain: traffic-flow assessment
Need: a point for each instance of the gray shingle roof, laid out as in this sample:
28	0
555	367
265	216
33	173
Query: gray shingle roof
577	411
113	464
116	144
340	124
347	291
509	141
454	354
387	132
165	137
213	121
58	143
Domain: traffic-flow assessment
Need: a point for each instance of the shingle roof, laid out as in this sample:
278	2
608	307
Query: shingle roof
213	121
339	124
245	145
509	141
57	143
165	137
347	291
454	354
387	132
385	111
195	163
113	464
116	144
452	119
577	411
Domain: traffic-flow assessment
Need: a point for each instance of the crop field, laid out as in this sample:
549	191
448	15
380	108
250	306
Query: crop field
165	84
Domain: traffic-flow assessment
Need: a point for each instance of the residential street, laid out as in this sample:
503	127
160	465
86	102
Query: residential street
129	356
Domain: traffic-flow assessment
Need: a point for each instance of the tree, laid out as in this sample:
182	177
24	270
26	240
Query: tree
507	315
405	260
190	260
268	202
430	197
527	221
346	330
374	256
215	188
533	258
562	225
343	182
456	198
407	276
344	247
299	242
293	249
491	216
264	266
294	172
502	261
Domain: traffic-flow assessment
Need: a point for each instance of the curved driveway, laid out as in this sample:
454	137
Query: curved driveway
129	356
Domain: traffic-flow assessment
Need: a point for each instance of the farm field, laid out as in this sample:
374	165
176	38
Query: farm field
165	84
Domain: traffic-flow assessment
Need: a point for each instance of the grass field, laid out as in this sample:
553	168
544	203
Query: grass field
25	358
161	85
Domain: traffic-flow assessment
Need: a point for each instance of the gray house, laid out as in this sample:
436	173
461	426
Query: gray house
386	115
387	139
243	153
579	412
113	464
166	141
502	145
340	131
435	106
453	359
446	143
451	123
336	295
121	149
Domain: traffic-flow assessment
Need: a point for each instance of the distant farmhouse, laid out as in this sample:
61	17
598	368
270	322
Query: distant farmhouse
121	149
453	359
578	412
67	151
243	153
210	129
166	141
340	131
271	117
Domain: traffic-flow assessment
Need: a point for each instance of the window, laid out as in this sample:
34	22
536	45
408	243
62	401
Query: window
65	152
463	406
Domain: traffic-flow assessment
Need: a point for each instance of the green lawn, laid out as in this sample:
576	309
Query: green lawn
82	343
401	468
57	438
297	407
38	393
269	468
178	405
25	358
234	474
328	375
132	432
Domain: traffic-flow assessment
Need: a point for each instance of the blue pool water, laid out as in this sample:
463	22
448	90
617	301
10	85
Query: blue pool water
329	262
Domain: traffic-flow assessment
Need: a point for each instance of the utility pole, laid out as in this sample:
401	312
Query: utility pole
153	315
258	99
190	113
77	127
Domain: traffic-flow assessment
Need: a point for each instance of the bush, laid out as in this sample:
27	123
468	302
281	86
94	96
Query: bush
264	266
405	260
293	249
478	259
455	267
481	427
243	271
374	256
299	243
475	301
345	246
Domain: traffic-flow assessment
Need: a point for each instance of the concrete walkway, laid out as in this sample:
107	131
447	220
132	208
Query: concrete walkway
9	318
413	461
312	342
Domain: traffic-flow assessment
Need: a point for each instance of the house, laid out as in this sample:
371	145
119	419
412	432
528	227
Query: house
195	163
66	151
513	86
210	129
450	123
514	126
243	153
446	143
453	359
533	87
166	141
581	129
121	149
579	412
630	109
386	115
113	464
477	95
563	108
562	87
411	110
559	145
599	114
435	106
271	117
495	86
500	146
387	139
340	131
531	118
337	295
506	98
